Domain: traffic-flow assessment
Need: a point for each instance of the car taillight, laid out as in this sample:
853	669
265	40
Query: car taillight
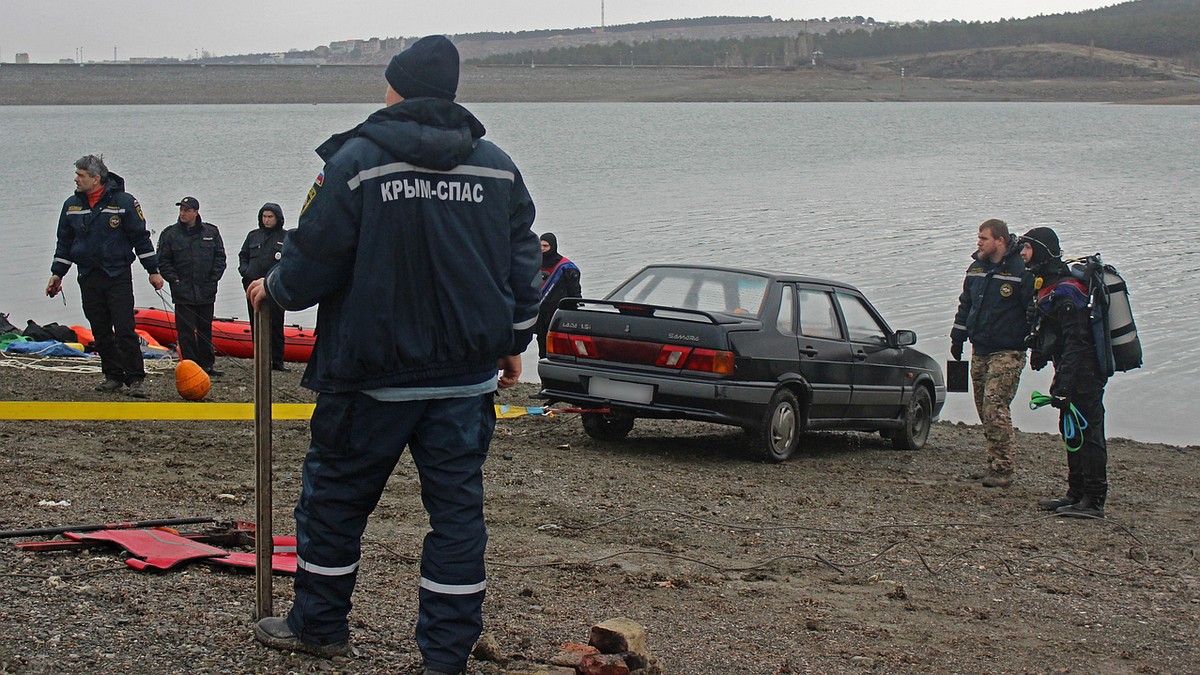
677	357
711	361
558	343
672	356
571	345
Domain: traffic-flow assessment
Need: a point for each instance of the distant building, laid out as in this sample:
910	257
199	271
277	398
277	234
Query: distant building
22	57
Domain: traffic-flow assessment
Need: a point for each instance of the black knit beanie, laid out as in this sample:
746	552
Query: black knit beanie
429	67
1044	242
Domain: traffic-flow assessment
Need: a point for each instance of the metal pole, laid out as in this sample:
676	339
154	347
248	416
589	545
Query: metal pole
264	547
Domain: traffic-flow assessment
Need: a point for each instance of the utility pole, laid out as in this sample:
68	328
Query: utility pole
601	16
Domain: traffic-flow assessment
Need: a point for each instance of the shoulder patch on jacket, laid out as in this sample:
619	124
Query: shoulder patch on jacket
312	191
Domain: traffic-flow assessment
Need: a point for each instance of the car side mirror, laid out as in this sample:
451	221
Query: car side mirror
904	338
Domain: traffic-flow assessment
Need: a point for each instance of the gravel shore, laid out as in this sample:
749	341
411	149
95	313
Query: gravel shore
853	557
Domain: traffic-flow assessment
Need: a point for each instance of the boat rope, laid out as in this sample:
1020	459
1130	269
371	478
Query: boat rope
68	364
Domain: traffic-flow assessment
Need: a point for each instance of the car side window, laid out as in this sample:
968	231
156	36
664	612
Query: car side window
861	323
818	317
786	319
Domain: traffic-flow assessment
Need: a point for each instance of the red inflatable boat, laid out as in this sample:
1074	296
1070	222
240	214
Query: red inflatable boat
230	337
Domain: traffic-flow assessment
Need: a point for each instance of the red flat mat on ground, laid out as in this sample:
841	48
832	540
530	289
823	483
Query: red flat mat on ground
162	550
157	549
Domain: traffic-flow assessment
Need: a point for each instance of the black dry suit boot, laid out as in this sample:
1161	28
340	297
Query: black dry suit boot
1091	506
1056	503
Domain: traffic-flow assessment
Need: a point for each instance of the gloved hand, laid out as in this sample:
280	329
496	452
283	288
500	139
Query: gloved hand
1038	359
956	350
1060	402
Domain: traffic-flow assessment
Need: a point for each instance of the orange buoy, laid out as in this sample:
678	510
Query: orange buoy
191	381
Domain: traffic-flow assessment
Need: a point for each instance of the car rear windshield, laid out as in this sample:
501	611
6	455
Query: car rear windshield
695	288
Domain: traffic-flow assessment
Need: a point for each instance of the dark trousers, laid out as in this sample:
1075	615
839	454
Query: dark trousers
276	319
1087	467
193	323
108	306
356	442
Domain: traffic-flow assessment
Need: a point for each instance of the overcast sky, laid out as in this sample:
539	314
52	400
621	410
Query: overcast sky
49	30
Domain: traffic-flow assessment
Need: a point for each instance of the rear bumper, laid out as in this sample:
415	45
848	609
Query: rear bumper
735	403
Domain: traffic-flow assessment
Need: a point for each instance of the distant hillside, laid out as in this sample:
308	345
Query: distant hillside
1047	61
1164	28
1167	29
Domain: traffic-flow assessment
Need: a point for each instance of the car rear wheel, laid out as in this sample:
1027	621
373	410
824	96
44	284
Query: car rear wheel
918	418
609	426
781	427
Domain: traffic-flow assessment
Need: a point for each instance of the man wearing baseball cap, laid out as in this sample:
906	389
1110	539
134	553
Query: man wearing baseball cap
191	257
416	244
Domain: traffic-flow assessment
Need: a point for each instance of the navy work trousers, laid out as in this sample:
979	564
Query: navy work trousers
193	324
356	442
108	306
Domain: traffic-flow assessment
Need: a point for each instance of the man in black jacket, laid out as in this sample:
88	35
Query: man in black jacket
1063	336
191	256
259	255
416	244
102	230
992	314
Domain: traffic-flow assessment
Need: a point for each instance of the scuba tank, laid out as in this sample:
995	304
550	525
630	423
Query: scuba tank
1117	345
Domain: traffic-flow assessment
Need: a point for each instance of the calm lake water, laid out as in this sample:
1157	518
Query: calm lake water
886	196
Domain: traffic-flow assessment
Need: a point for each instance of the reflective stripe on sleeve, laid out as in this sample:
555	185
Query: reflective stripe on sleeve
528	323
146	255
453	589
325	571
64	261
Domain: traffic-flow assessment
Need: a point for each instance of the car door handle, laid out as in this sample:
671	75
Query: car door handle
860	355
808	351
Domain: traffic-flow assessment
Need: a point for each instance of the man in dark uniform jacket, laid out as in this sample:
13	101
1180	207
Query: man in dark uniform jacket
102	230
416	245
260	253
1063	335
191	256
993	315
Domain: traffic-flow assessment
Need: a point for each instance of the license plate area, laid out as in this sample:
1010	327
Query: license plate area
615	390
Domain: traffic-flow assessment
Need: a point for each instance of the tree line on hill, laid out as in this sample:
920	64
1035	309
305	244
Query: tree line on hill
1163	28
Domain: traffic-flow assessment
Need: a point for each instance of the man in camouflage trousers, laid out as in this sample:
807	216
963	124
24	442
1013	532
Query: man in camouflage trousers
993	313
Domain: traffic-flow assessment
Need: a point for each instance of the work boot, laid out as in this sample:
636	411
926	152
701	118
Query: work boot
135	390
1055	503
273	632
213	372
109	386
1090	506
997	478
281	368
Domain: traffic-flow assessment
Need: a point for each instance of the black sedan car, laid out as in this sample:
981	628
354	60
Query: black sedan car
771	352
